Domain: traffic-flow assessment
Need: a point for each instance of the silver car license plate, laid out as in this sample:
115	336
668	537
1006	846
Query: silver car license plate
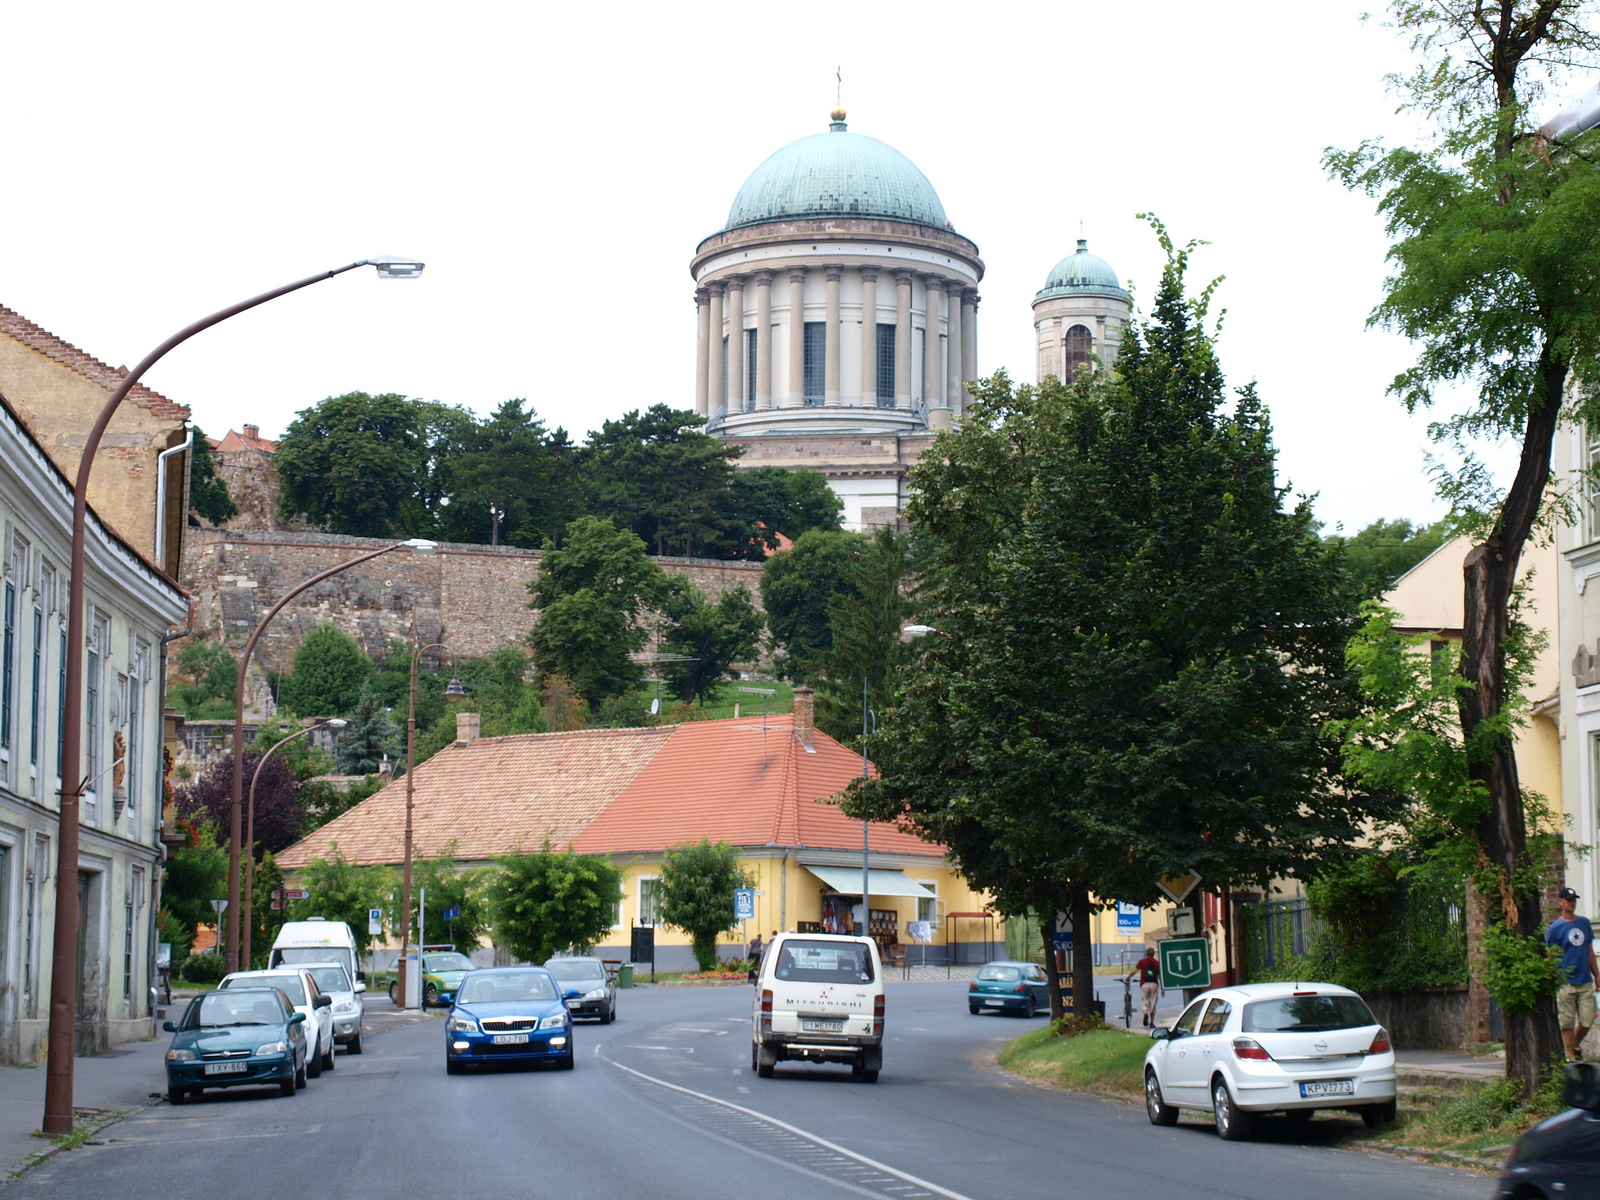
1328	1087
227	1068
821	1026
997	1002
510	1039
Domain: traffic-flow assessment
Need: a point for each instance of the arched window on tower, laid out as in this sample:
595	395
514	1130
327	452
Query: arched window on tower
1080	343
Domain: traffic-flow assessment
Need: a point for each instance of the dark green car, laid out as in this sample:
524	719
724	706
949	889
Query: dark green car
239	1037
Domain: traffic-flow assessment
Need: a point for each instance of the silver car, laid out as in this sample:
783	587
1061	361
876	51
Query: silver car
349	1009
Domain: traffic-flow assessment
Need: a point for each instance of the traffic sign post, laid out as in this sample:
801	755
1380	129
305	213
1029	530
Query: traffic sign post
1130	920
744	904
1185	963
374	921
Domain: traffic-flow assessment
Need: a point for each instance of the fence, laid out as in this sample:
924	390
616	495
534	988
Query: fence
1278	933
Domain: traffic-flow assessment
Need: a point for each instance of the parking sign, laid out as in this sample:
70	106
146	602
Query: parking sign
744	904
1185	963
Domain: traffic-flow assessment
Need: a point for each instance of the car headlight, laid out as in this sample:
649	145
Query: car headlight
463	1025
597	994
180	1055
344	1009
558	1021
273	1048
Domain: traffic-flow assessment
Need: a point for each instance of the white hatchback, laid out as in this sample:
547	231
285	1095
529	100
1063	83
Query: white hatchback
1288	1048
303	993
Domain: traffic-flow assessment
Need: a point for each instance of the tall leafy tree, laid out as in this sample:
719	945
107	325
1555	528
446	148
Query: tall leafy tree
764	502
329	674
353	464
1497	278
714	636
1378	554
549	900
208	492
441	886
280	816
195	874
798	588
203	685
517	468
697	885
865	642
342	890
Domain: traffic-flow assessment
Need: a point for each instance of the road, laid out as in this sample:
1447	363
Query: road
664	1104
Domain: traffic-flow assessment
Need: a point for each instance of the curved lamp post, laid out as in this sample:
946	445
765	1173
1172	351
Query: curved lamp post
63	955
248	899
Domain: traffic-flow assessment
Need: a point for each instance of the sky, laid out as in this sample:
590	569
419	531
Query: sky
556	165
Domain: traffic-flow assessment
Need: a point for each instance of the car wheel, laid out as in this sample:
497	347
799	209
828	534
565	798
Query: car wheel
177	1095
754	1056
973	1009
1159	1111
452	1067
300	1074
327	1059
1233	1125
766	1059
862	1072
394	992
566	1063
287	1087
1379	1114
430	996
355	1044
607	1017
313	1064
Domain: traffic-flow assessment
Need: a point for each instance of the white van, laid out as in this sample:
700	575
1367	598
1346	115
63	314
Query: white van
819	998
317	940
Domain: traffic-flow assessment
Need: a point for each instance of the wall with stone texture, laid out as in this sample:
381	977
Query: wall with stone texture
474	598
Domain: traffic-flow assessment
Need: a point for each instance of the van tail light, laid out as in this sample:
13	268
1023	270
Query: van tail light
1380	1042
877	1014
766	1008
1250	1048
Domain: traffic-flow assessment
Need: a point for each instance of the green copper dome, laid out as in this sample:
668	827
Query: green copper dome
1082	274
837	173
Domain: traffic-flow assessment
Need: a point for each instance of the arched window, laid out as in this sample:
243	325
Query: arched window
1079	344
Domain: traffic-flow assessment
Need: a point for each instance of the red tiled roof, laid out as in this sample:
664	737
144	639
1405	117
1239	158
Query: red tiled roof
18	327
234	440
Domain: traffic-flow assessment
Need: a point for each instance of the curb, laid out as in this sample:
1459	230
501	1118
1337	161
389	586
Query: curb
87	1122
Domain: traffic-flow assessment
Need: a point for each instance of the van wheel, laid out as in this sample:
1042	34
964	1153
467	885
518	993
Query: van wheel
766	1059
1379	1114
863	1072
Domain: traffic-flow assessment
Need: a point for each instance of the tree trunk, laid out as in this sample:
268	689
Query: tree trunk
1082	953
1490	570
1047	931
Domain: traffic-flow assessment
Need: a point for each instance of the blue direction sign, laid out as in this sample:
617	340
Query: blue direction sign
451	913
1130	919
744	904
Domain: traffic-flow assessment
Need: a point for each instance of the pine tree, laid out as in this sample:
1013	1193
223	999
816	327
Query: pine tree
369	739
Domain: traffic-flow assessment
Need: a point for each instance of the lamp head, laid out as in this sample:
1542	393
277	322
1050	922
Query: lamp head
336	722
420	545
391	266
455	691
917	631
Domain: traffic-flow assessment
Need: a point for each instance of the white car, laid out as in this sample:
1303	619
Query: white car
1288	1048
306	998
349	1010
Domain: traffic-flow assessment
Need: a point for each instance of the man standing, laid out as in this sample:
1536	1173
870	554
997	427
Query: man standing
754	955
1580	975
1148	969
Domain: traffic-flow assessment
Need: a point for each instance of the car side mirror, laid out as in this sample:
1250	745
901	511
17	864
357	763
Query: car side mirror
361	977
447	997
1580	1088
1160	1033
360	986
168	1027
298	1018
322	1001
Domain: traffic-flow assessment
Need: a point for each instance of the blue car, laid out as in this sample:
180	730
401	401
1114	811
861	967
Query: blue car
507	1015
242	1036
1013	987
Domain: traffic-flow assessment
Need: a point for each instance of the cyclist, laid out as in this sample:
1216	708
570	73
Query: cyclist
1149	971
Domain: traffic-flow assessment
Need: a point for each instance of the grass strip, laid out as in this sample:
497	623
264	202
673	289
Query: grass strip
1109	1061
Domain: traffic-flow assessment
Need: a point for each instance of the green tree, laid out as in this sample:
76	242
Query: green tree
441	885
593	594
205	682
546	901
1377	555
697	885
323	802
713	635
352	464
865	642
1497	278
195	875
764	502
369	739
329	674
208	491
798	588
265	921
514	466
1144	644
342	890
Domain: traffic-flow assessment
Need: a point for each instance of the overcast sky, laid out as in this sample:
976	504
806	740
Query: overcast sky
556	165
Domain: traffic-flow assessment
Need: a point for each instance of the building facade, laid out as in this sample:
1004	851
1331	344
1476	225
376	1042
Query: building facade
1079	315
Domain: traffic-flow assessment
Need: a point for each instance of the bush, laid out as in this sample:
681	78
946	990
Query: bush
204	968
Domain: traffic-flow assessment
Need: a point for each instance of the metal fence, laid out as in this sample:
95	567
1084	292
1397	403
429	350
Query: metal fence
1277	933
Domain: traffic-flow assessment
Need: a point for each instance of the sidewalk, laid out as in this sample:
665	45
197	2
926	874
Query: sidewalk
1456	1063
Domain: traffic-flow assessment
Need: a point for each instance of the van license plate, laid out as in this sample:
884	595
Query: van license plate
1328	1087
227	1068
510	1039
821	1026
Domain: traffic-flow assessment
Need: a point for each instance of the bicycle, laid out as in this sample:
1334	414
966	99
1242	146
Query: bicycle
1127	1003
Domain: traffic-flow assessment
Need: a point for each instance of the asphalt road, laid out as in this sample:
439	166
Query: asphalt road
664	1104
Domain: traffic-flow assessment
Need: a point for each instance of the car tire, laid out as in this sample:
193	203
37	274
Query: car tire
973	1009
288	1087
301	1075
754	1056
766	1059
566	1063
452	1067
354	1047
862	1072
430	996
1375	1115
177	1095
1233	1124
314	1064
607	1017
327	1059
394	992
1155	1106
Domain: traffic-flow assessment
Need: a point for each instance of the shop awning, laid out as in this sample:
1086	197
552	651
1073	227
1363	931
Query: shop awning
882	882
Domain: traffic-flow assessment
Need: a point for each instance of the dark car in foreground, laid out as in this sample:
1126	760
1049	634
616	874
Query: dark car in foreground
1014	987
508	1015
586	987
244	1036
1560	1156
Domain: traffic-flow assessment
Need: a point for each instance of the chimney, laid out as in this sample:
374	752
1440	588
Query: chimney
467	727
804	718
252	431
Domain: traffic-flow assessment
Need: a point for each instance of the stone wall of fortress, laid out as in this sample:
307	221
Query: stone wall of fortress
474	598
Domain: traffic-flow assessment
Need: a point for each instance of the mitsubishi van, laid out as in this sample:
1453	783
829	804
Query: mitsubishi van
819	998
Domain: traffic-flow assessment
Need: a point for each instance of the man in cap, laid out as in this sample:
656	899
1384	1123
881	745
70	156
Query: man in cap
1580	975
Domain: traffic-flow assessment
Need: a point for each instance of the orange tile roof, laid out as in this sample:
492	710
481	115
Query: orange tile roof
234	440
14	325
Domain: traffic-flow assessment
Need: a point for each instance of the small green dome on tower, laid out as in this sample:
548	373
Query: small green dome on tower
1081	274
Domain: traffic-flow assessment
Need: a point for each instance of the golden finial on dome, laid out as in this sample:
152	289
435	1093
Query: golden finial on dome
838	96
838	112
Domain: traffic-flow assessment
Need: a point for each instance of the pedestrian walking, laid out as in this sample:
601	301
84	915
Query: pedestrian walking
1148	969
754	954
1580	975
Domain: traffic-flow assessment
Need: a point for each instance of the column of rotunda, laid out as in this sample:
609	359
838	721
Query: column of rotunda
764	339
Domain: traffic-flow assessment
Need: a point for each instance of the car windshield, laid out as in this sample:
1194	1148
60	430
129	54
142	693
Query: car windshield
824	962
289	983
329	979
1306	1014
575	970
291	955
1000	974
256	1006
482	987
446	962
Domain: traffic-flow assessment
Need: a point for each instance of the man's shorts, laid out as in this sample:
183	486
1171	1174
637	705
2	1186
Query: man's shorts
1575	1006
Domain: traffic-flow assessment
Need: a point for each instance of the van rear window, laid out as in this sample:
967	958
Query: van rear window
801	961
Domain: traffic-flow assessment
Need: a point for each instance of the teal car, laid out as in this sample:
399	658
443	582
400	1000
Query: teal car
239	1037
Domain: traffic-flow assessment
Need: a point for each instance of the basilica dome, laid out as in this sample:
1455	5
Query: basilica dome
1082	274
837	173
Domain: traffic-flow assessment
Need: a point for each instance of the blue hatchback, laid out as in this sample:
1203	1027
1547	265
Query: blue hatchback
507	1015
1014	987
245	1035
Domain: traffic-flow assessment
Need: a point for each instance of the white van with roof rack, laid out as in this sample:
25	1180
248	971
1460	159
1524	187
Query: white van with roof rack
819	998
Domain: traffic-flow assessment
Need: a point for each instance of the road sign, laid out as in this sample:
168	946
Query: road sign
451	913
279	905
1178	886
744	904
1185	963
290	894
1130	920
218	906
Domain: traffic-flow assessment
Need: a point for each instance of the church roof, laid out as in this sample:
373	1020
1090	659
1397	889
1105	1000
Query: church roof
1082	273
837	173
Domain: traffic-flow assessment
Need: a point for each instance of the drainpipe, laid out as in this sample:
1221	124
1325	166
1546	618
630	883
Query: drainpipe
783	893
161	494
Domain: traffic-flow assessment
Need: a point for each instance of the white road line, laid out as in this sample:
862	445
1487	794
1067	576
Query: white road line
797	1131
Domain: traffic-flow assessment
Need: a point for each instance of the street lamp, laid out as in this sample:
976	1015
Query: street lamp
454	690
248	899
64	948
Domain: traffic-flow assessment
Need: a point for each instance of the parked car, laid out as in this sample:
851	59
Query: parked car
1288	1048
587	987
301	988
348	1011
243	1036
1560	1156
442	969
508	1015
1015	987
819	998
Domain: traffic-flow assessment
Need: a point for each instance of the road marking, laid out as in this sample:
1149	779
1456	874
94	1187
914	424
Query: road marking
796	1131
